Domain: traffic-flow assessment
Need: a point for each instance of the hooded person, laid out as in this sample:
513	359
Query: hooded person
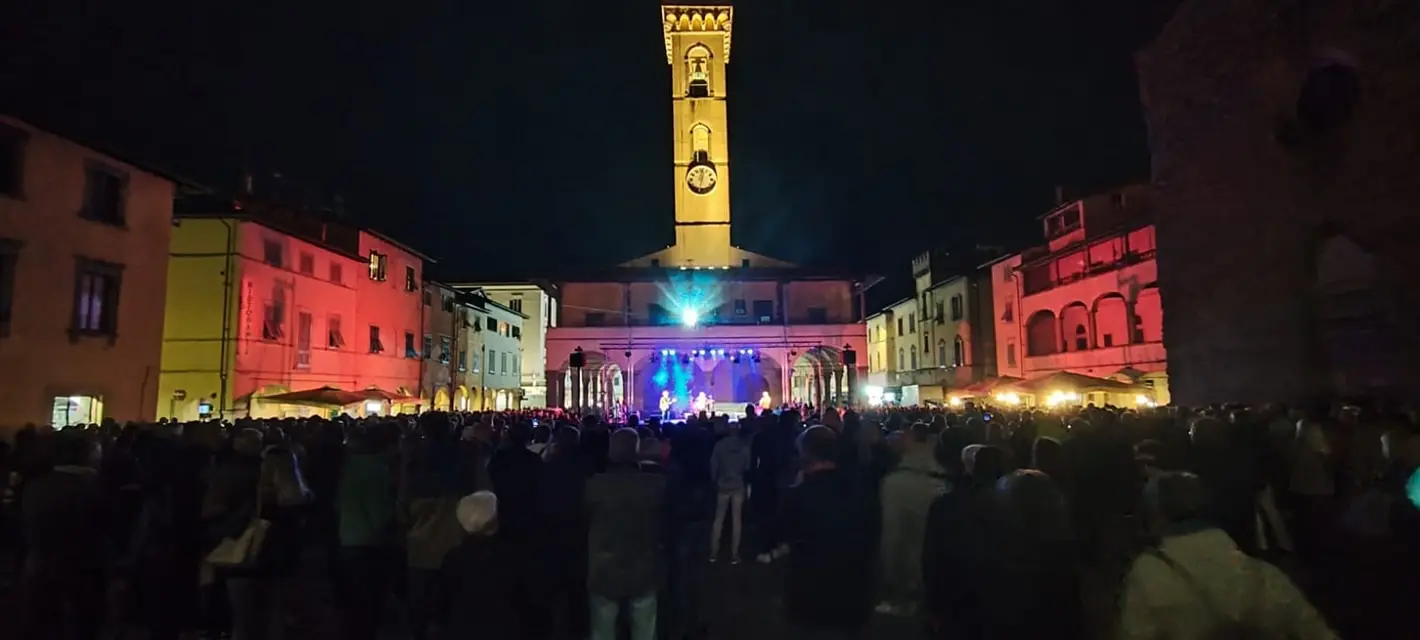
626	511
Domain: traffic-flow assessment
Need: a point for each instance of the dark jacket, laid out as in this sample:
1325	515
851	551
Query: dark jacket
486	582
626	511
366	501
830	580
517	477
65	524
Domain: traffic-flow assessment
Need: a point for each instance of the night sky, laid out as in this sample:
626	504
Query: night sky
860	132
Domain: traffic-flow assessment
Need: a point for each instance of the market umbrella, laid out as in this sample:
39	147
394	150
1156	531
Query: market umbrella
318	397
376	393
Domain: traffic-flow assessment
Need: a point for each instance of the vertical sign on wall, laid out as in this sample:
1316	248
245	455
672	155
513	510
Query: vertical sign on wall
247	299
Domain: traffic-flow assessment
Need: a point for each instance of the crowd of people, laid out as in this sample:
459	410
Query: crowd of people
973	522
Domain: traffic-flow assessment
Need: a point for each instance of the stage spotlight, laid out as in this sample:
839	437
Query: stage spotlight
685	359
735	359
689	317
720	353
756	358
665	352
749	351
670	352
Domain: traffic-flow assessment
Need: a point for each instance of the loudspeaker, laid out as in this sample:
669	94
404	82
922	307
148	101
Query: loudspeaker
850	357
578	359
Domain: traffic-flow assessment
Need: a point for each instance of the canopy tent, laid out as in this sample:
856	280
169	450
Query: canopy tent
376	393
1077	382
986	387
1065	388
318	397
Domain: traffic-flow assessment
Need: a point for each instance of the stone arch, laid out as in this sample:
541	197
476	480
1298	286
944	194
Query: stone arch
1042	334
1111	318
441	399
461	399
1075	327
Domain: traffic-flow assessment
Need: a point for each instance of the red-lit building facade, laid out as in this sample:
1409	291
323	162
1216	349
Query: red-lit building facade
263	301
1087	301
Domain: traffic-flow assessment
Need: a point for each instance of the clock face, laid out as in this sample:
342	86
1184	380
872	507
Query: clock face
701	178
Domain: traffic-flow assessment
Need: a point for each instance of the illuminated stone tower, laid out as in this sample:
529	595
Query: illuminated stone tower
698	49
697	39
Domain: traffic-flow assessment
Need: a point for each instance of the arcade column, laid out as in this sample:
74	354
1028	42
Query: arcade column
555	391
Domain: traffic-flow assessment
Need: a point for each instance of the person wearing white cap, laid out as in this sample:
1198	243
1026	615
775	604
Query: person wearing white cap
487	580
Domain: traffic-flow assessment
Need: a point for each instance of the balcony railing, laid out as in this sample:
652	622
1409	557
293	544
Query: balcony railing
1038	285
1104	357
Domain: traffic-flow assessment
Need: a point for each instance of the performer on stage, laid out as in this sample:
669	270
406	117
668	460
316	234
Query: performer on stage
710	404
764	401
667	403
699	404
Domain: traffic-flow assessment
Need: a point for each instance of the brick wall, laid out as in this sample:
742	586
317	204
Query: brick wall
1246	193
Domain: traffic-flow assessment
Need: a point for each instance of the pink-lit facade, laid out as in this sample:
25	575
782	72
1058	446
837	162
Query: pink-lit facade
796	323
1087	301
264	302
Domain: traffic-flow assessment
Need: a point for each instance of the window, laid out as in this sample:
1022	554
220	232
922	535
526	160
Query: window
503	363
409	351
334	339
818	315
273	320
942	351
103	194
96	290
516	332
901	362
1010	354
411	281
740	307
940	317
516	304
912	323
449	304
12	161
428	299
379	263
763	311
958	307
958	351
1138	329
272	253
596	319
307	264
463	360
9	263
912	357
303	339
1009	315
493	324
1107	339
899	327
376	345
446	349
475	362
1082	341
336	274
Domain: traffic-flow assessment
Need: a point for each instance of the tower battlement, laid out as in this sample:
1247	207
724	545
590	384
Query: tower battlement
696	18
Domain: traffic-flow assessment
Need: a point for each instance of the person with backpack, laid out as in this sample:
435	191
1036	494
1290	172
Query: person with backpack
1195	583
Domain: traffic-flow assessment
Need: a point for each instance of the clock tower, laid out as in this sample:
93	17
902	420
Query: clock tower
697	38
698	49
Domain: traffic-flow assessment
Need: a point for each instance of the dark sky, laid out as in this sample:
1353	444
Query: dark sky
500	136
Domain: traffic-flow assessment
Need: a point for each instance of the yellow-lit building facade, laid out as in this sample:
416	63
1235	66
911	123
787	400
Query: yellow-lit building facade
83	237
